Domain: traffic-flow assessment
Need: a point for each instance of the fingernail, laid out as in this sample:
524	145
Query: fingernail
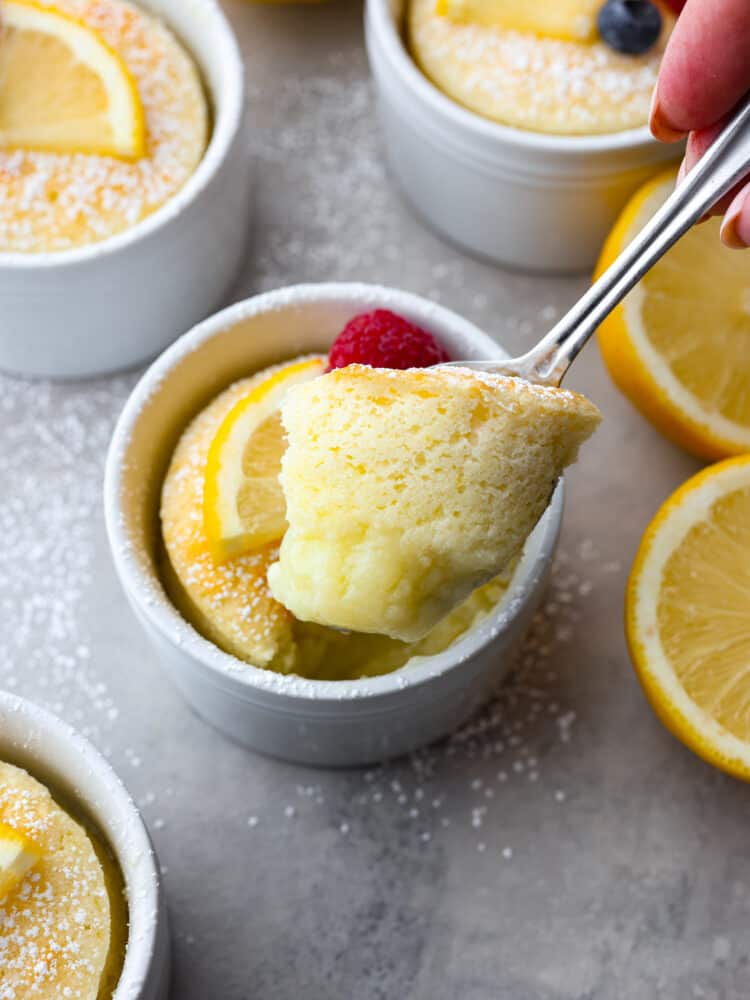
660	127
735	229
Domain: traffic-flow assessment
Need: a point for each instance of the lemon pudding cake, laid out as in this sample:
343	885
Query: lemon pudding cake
574	67
63	916
109	132
221	588
406	490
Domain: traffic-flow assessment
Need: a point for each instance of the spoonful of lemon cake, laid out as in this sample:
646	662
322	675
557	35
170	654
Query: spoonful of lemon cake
407	489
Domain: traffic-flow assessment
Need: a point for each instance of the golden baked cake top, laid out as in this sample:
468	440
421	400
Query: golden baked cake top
57	201
530	82
55	928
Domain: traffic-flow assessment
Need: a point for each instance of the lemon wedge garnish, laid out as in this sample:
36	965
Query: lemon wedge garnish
243	503
688	614
569	20
679	345
63	88
18	855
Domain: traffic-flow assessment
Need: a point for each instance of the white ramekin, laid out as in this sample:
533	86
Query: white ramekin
314	722
529	200
51	751
114	304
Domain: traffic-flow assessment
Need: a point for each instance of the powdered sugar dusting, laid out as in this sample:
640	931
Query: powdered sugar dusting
55	927
55	201
535	83
54	440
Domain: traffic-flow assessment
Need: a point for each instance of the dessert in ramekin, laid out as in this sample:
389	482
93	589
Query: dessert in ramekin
81	904
531	199
105	257
329	722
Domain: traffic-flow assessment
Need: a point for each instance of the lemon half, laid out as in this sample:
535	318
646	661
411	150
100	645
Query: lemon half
679	345
688	614
63	88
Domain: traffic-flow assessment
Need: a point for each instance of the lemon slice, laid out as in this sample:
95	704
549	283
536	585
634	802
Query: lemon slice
679	346
63	88
688	614
18	855
243	503
569	20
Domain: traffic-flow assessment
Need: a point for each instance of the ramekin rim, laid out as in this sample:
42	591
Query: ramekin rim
229	108
378	16
161	613
143	902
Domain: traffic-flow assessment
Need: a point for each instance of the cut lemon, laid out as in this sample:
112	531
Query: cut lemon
679	345
688	615
570	20
18	855
243	503
63	88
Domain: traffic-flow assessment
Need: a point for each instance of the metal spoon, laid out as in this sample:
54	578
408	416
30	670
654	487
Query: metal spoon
715	174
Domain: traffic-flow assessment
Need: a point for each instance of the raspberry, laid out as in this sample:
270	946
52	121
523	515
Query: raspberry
384	340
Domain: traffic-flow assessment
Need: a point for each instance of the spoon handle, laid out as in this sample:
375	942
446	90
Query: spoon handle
714	176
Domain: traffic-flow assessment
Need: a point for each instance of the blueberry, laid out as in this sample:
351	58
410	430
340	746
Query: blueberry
630	26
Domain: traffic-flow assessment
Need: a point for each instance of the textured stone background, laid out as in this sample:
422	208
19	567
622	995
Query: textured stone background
563	845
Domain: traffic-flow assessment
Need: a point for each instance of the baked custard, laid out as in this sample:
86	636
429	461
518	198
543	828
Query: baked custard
543	66
69	179
63	915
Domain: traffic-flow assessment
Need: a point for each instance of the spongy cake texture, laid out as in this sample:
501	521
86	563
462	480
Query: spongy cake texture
406	490
55	927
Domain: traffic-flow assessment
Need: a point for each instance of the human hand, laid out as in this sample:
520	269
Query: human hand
704	73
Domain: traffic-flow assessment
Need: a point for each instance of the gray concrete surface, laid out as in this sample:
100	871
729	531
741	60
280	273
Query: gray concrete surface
563	846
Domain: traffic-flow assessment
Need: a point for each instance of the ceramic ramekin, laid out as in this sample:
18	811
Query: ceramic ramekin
529	200
313	722
114	304
51	750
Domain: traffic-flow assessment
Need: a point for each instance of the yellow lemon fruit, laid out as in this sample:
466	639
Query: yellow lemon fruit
243	503
63	88
570	20
679	345
18	855
688	614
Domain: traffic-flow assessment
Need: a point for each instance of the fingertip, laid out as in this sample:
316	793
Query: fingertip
660	126
735	229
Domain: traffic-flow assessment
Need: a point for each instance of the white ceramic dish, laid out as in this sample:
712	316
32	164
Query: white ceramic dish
314	722
533	201
114	304
50	750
